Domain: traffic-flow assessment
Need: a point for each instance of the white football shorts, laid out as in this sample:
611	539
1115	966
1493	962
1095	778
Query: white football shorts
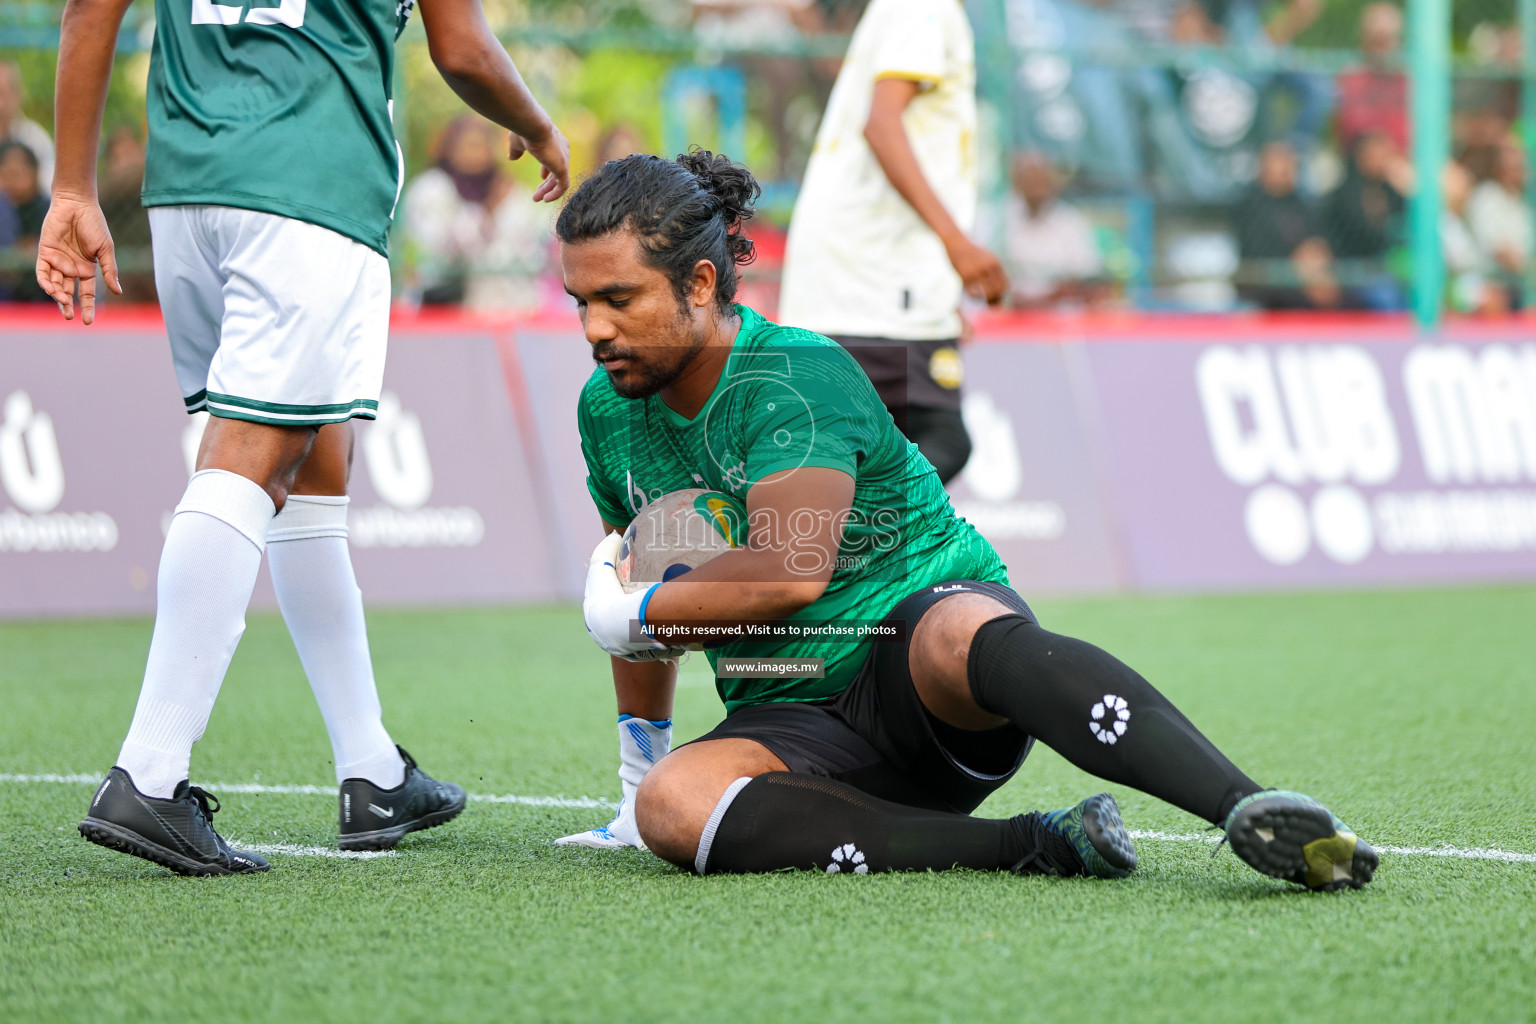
271	319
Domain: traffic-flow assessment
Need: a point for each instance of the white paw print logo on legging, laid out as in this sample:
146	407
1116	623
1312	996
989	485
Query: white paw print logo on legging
847	858
1108	718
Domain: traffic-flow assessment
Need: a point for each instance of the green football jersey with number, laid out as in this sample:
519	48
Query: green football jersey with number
282	106
790	398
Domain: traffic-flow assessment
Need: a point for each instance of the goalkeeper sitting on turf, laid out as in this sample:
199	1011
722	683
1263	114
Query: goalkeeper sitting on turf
876	765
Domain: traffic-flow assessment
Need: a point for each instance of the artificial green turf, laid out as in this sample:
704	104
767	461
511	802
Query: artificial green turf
1411	714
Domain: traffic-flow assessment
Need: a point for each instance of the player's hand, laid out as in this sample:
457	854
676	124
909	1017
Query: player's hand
608	611
979	270
73	240
554	153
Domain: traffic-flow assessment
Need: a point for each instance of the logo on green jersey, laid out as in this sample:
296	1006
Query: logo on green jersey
725	513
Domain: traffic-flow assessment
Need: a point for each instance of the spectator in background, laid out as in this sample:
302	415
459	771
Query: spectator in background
1500	219
1219	108
776	80
620	141
1363	218
1052	255
1373	99
1118	122
1244	25
470	239
122	180
23	191
738	22
10	231
1287	264
1481	159
1466	265
15	126
1484	106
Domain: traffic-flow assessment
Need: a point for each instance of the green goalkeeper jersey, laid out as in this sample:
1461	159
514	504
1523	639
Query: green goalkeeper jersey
789	398
282	106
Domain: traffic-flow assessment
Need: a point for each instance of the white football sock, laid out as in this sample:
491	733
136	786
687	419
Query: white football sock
323	607
641	744
207	571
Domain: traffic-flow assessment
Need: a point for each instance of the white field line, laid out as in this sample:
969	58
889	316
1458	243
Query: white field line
1507	856
290	850
580	802
591	803
1173	837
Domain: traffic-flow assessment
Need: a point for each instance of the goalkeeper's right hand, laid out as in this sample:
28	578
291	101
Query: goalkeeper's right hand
608	611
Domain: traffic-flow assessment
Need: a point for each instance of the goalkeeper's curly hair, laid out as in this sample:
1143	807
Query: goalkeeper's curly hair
684	210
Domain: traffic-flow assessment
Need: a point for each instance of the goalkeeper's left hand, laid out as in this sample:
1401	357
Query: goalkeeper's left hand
608	611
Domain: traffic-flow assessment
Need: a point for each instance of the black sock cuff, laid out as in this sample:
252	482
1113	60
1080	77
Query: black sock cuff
1233	797
983	656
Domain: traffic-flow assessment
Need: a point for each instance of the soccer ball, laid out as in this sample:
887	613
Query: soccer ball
678	532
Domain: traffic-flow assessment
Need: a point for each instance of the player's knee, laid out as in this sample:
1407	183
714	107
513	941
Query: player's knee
941	644
328	466
938	658
267	455
661	816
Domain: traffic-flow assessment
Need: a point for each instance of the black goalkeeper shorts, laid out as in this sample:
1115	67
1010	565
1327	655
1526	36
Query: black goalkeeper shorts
878	737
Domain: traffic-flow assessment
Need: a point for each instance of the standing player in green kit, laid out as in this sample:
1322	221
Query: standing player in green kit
272	177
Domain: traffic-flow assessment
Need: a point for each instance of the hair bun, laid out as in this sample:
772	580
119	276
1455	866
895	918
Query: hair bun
735	188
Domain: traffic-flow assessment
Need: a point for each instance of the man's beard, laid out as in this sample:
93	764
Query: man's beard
644	379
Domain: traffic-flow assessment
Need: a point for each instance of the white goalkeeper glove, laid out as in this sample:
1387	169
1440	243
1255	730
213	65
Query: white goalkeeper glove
608	611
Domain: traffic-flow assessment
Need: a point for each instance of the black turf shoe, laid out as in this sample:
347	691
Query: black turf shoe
176	833
1292	836
1086	839
377	819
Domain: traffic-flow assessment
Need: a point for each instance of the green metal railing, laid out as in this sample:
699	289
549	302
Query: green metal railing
1429	47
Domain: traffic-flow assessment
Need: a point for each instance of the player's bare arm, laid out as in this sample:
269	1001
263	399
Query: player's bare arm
75	238
979	269
477	67
777	573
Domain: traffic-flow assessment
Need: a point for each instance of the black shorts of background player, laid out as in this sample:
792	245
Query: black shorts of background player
919	382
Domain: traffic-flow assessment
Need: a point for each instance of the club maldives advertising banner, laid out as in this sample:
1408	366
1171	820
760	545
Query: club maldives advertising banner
1308	458
1194	454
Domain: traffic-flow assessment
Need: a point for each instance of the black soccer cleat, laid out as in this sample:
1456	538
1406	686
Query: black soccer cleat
1292	836
176	833
377	819
1087	839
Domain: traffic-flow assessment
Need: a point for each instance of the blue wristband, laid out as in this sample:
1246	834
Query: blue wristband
644	604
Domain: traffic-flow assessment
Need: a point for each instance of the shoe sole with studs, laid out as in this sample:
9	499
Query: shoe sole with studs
1106	832
1301	843
115	837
